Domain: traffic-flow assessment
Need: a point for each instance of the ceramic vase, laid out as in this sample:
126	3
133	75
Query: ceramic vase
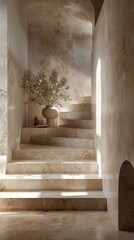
50	113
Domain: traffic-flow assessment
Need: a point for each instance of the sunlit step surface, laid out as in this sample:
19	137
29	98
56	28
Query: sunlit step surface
53	200
27	133
51	176
24	182
35	167
29	151
84	124
63	142
53	194
83	115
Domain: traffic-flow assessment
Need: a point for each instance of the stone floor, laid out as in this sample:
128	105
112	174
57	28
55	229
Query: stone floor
59	225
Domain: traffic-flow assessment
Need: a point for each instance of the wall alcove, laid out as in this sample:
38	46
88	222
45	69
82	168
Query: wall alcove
126	197
60	35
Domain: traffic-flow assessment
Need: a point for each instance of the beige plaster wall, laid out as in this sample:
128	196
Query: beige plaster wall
60	34
3	77
113	80
17	63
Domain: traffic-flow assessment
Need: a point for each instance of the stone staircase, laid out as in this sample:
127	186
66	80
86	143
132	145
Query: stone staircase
55	168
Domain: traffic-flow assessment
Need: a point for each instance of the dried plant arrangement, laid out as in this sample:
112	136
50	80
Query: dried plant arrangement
45	89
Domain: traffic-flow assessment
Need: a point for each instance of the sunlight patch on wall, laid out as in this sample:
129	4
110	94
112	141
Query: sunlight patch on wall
98	98
98	113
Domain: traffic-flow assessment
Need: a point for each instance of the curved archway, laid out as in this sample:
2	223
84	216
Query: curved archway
126	197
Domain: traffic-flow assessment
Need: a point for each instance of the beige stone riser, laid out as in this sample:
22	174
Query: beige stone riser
77	106
82	115
54	167
79	100
26	133
86	99
51	184
53	153
13	204
71	123
61	142
52	160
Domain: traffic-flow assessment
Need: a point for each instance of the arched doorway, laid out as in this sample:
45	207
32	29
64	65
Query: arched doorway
126	197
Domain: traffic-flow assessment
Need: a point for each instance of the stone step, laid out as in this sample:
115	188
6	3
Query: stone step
66	182
86	99
29	151
63	142
82	115
74	106
41	167
52	201
77	123
27	133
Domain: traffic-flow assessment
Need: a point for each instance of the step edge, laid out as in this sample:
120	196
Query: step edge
25	147
52	176
57	137
55	194
51	162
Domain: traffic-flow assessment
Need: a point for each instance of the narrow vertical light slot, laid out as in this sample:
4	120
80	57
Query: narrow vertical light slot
98	99
99	161
3	162
98	114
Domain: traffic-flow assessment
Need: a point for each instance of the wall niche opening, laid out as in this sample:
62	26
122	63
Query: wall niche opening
126	197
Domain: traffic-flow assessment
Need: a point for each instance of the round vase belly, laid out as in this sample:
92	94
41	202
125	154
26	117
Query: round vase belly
50	113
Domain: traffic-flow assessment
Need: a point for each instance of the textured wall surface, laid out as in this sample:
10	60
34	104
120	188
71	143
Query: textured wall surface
60	34
113	82
17	63
3	77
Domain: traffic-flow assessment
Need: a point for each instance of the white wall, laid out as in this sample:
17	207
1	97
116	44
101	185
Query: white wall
17	63
113	80
3	77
